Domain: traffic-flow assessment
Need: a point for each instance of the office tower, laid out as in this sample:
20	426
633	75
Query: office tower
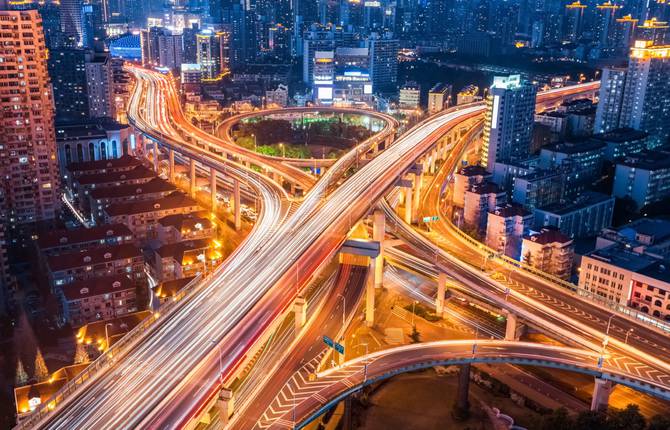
383	61
170	49
67	67
508	124
316	39
50	13
28	163
99	86
149	45
211	53
506	18
92	28
646	99
323	78
610	98
189	42
574	13
70	18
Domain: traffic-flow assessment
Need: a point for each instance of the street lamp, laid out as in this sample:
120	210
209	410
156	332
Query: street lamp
254	136
627	334
107	335
220	362
344	309
283	150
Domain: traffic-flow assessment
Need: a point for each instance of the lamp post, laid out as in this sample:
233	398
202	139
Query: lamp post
627	334
255	147
220	363
344	309
283	150
107	335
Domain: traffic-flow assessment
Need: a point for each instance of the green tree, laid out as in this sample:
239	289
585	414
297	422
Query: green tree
41	371
628	418
21	377
558	419
659	422
81	356
591	420
415	336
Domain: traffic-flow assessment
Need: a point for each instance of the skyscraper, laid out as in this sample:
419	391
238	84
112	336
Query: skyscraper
646	99
68	70
28	163
508	124
383	61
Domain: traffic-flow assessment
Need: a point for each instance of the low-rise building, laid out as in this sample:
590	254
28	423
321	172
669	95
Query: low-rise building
142	216
465	178
68	240
75	169
101	298
651	290
125	259
183	227
82	185
643	178
505	228
556	121
439	97
101	198
102	139
410	96
539	188
585	156
98	336
550	251
479	200
622	142
645	236
468	94
164	291
584	217
185	259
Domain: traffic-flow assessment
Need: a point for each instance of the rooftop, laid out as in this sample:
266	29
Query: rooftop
618	256
89	257
473	170
138	172
58	238
648	160
587	198
88	129
177	250
186	221
96	287
547	236
115	327
170	288
621	135
510	211
123	162
575	147
658	270
172	201
156	185
486	188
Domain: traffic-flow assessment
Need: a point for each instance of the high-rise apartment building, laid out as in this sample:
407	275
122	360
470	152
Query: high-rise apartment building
68	70
99	85
212	47
28	165
610	98
646	100
383	61
508	124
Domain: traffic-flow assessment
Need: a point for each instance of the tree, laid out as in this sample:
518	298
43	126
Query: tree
558	419
21	377
659	422
628	418
591	420
41	371
81	356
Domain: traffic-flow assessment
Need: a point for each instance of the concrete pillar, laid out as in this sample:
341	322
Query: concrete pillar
408	205
462	401
212	186
171	164
192	178
441	289
238	204
370	303
601	394
156	157
300	313
347	418
510	328
225	404
418	179
292	188
431	167
378	227
340	357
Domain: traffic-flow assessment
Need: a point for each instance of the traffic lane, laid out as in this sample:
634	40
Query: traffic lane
327	322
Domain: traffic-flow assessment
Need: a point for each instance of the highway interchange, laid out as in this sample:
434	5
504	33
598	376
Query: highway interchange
162	379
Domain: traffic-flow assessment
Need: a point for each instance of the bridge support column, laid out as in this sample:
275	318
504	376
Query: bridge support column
300	314
192	178
511	327
370	302
212	188
441	289
347	418
292	188
409	202
462	406
155	157
601	394
238	204
418	179
171	172
378	227
225	404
